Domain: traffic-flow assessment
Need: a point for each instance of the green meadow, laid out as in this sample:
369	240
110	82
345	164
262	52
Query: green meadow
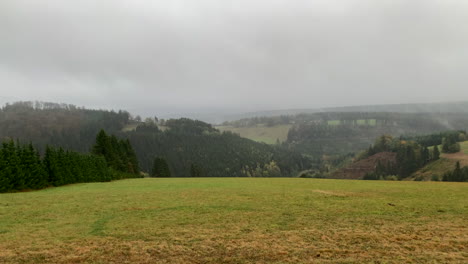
237	220
261	133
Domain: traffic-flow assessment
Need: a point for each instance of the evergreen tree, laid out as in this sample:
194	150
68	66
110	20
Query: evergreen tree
196	171
14	166
119	154
425	156
5	176
160	168
435	153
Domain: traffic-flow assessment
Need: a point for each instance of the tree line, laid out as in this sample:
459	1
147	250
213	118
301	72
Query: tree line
23	168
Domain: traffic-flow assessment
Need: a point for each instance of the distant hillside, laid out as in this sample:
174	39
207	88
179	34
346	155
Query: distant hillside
436	169
417	158
63	125
445	107
186	144
357	170
342	133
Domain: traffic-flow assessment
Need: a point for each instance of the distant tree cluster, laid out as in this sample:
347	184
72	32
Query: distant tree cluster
119	154
438	138
450	144
457	175
270	169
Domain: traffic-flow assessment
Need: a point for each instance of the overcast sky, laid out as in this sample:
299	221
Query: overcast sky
246	55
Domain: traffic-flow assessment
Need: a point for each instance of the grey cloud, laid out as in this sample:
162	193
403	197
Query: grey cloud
246	55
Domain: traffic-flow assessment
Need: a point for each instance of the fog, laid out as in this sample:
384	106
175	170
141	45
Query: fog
220	56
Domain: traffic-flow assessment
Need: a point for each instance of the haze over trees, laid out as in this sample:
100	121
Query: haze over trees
190	147
60	125
196	148
318	143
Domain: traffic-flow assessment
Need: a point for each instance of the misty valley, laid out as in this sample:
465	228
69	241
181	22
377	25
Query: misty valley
237	132
66	152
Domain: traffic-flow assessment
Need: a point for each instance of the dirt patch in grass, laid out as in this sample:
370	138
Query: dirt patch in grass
333	193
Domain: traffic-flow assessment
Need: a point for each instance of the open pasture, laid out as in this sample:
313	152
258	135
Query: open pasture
237	220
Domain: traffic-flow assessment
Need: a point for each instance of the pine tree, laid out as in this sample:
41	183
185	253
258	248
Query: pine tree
195	171
5	177
102	146
160	168
435	153
14	166
49	164
133	166
425	156
445	145
28	163
457	173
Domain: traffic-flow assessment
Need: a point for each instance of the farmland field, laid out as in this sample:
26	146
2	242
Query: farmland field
237	220
261	133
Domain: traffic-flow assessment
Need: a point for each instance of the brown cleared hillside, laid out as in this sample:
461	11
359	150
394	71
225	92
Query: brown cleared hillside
360	168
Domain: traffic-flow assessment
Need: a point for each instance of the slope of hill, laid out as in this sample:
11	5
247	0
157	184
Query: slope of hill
360	168
435	170
443	107
343	133
186	143
55	124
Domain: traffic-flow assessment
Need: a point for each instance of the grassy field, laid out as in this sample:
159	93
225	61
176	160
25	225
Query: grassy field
237	220
464	147
260	133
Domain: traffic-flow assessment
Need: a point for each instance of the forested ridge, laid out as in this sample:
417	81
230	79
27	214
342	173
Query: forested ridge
61	125
191	148
343	133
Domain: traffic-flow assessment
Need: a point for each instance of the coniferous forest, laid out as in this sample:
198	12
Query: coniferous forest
23	168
